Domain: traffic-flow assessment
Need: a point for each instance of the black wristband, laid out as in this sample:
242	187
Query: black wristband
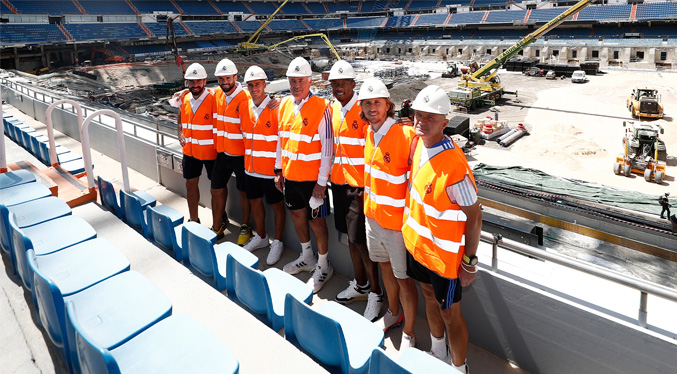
277	171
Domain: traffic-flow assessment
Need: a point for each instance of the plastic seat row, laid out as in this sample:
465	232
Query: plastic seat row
38	145
101	317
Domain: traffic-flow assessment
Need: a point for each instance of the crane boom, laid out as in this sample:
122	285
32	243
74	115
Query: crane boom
321	35
515	48
251	43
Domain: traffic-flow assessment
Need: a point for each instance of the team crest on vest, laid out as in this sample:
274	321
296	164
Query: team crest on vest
305	122
268	124
429	188
355	125
207	116
386	157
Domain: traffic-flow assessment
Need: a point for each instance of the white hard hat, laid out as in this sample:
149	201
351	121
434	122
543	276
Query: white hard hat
341	70
225	67
432	99
254	73
373	88
299	67
196	71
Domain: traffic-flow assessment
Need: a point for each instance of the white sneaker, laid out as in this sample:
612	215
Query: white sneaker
352	293
465	369
320	277
256	242
407	342
374	303
446	359
389	321
299	265
275	253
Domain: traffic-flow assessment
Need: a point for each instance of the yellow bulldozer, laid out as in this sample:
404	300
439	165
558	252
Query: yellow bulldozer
645	103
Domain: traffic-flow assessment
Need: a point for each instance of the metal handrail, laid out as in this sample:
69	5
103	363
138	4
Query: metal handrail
642	286
87	154
53	160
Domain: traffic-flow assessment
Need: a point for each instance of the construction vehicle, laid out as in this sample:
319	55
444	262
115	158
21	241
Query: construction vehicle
645	102
485	79
252	44
108	56
643	152
453	70
534	72
321	35
175	48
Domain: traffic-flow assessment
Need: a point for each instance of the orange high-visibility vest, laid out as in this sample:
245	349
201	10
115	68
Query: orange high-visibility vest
349	141
434	227
260	139
299	140
385	175
227	132
198	128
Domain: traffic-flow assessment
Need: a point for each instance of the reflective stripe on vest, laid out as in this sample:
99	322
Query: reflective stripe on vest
227	131
385	175
260	139
299	140
434	227
349	141
197	128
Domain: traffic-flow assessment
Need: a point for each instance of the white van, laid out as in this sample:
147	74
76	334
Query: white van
578	77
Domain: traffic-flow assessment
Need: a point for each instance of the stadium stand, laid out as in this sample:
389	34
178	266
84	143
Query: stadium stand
545	15
605	12
316	8
422	5
117	7
352	7
150	6
287	25
211	28
4	9
431	19
570	33
43	7
611	32
160	29
196	7
261	8
507	16
466	18
374	6
462	34
486	3
364	22
294	8
248	26
324	23
222	43
444	3
105	31
656	10
657	30
227	6
498	34
400	21
147	49
30	33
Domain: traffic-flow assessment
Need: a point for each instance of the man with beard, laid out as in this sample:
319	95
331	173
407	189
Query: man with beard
195	122
229	148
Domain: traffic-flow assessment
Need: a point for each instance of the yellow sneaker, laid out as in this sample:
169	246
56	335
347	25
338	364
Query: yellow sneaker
219	233
245	235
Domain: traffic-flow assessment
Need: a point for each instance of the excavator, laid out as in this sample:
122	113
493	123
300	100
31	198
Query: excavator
321	35
252	43
484	85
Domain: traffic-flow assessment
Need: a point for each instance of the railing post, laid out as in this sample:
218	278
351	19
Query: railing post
643	298
494	252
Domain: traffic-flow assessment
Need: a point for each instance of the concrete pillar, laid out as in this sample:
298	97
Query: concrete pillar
625	55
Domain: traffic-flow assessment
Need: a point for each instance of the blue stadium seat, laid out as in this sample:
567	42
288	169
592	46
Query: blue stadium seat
122	307
133	205
61	274
287	24
75	166
109	198
15	178
364	22
400	21
30	33
264	292
51	7
351	7
324	23
422	5
657	10
22	193
166	226
316	8
22	136
177	344
410	361
229	6
35	144
208	258
211	27
45	238
150	6
118	7
506	16
43	154
431	19
466	18
196	7
332	333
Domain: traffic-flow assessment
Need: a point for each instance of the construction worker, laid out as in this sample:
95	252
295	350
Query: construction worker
386	159
347	183
229	148
665	204
304	156
195	123
442	226
260	128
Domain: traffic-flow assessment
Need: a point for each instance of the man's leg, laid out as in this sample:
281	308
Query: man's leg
457	333
298	216
219	196
392	288
259	216
409	300
193	197
433	312
319	226
246	207
280	217
358	262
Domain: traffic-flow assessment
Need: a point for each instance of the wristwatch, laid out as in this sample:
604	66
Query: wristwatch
472	260
276	170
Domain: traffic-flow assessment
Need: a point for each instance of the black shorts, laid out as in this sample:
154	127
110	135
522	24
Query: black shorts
224	167
349	212
260	187
192	167
297	196
447	291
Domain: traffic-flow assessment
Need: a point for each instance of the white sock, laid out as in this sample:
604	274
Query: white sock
323	261
307	250
439	345
461	368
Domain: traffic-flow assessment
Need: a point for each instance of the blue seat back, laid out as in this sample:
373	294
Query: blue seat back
380	363
109	198
249	285
320	335
5	239
163	232
92	359
20	244
133	212
198	245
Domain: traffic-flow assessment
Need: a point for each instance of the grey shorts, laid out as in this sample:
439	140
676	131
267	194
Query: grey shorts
387	245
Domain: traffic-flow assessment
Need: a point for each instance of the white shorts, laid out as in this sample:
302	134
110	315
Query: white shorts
387	245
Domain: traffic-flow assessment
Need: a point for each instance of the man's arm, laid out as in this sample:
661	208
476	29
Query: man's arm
326	133
182	140
473	229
